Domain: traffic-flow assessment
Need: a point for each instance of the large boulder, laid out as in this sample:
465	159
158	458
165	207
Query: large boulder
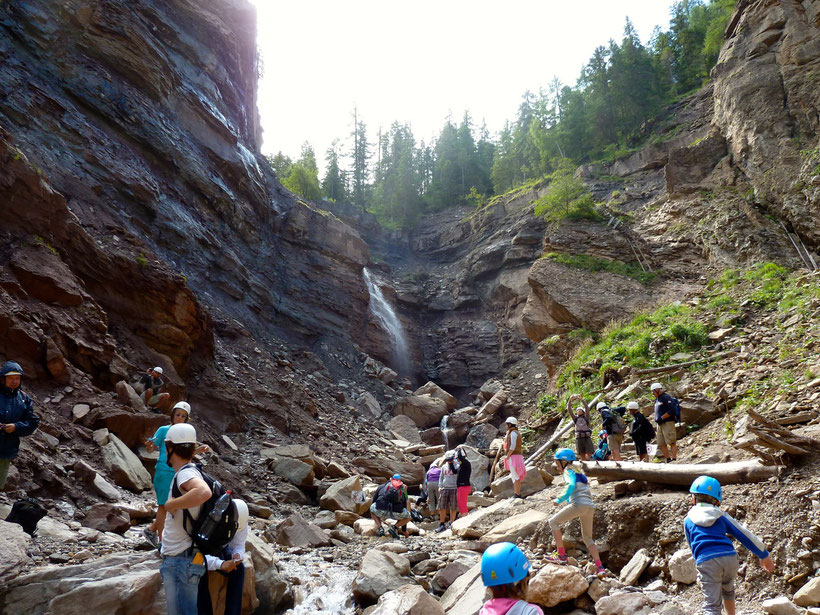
294	471
425	410
635	567
107	518
466	595
379	573
13	545
460	562
516	527
623	603
344	495
434	390
682	567
404	428
368	407
407	600
480	466
411	473
128	396
554	583
533	483
474	524
809	594
295	531
481	436
124	467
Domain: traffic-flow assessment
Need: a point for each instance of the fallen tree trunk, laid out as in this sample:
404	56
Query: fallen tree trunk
671	368
681	474
542	451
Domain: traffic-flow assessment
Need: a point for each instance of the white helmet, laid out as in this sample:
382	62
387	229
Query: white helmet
158	370
633	405
182	405
241	514
601	404
656	385
181	433
512	420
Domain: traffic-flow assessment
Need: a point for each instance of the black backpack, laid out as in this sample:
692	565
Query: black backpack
393	494
209	536
648	431
27	513
676	408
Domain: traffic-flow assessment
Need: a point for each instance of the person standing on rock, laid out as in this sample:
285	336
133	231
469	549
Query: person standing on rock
391	501
432	481
229	563
448	490
583	427
707	530
640	430
505	571
463	486
182	565
581	507
513	459
152	385
665	418
17	418
614	427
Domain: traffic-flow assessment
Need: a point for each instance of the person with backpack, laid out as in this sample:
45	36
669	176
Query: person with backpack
667	413
583	427
463	486
602	453
391	501
448	490
505	571
640	430
17	418
182	563
228	563
614	426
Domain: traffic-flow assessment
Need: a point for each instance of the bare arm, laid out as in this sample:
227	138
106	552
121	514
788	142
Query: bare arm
195	492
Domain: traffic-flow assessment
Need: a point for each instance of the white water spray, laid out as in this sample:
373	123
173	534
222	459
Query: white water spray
325	591
390	323
446	431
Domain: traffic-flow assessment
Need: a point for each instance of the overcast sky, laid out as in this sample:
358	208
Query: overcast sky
419	61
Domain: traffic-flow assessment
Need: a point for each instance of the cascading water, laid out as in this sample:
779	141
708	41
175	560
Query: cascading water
390	323
325	589
446	431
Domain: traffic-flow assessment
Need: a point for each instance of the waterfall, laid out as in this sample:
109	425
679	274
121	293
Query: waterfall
390	323
445	432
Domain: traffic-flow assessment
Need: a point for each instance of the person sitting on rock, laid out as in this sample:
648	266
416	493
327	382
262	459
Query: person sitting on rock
17	418
230	564
581	506
152	385
583	427
448	490
391	501
505	571
640	430
513	459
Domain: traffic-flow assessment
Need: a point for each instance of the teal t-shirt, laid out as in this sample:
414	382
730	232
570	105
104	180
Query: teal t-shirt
159	442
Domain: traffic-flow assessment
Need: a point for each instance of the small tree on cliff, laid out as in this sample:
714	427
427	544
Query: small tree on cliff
304	175
567	197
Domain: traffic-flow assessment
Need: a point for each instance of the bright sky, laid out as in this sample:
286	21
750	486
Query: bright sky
419	61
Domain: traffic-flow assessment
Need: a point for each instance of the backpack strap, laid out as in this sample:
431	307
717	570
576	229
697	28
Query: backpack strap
175	492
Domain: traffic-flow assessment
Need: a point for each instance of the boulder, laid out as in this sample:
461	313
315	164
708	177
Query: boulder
379	573
457	566
340	496
101	436
809	594
104	488
13	545
516	527
368	406
365	527
270	590
635	567
294	471
493	405
344	517
625	603
599	588
466	595
472	525
325	519
387	375
128	396
682	567
555	583
291	494
781	606
411	473
407	600
334	470
405	428
296	532
533	483
79	411
481	436
302	452
434	390
130	427
107	518
124	466
480	466
425	410
432	436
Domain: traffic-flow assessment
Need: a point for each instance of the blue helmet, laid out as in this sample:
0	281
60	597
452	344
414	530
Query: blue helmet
706	485
503	563
565	454
397	476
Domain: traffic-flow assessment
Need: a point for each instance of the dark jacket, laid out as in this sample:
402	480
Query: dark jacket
15	407
382	503
664	405
464	471
640	428
608	418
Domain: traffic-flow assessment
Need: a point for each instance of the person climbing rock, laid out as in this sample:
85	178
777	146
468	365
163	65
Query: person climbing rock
152	385
513	459
505	571
230	564
391	501
707	530
581	507
463	486
665	418
640	430
448	490
17	418
583	427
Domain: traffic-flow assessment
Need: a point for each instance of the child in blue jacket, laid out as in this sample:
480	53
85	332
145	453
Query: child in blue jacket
707	530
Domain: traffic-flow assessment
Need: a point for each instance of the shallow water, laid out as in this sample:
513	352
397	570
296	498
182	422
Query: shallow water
325	589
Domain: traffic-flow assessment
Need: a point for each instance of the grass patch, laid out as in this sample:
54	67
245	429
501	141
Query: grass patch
594	264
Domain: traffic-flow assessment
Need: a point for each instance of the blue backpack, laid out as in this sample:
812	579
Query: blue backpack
676	409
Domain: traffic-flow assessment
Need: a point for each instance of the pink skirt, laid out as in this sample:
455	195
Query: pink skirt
461	496
515	464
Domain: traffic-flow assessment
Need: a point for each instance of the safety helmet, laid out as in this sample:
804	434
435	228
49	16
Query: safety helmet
512	420
241	514
656	386
503	563
600	405
602	433
158	370
565	454
182	405
397	476
633	405
706	485
450	455
181	433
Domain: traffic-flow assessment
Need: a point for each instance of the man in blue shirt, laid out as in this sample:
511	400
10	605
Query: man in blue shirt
665	418
17	417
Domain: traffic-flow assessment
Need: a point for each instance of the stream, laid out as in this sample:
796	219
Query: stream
324	589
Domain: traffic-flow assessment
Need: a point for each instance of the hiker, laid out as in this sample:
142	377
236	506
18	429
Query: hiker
513	459
463	486
665	418
152	385
163	473
707	530
614	426
390	500
640	430
583	427
505	571
448	490
230	564
602	453
17	416
182	565
580	506
432	478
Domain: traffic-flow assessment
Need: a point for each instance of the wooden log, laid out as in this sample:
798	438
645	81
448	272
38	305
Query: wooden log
671	368
681	474
543	449
794	419
774	442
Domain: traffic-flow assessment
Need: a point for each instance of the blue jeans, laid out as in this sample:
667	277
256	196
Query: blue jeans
181	576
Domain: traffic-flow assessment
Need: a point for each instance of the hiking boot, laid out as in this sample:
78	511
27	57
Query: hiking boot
380	533
392	531
441	527
151	536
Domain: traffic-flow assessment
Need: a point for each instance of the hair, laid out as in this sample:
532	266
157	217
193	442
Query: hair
183	451
511	590
707	499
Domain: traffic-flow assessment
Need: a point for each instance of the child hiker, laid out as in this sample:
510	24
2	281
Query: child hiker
505	571
580	506
707	531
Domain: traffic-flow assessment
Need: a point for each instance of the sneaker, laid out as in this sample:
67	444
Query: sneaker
441	527
380	533
557	558
151	536
392	531
601	571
